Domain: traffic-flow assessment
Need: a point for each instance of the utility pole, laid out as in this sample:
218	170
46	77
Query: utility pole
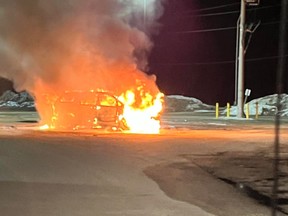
241	55
236	63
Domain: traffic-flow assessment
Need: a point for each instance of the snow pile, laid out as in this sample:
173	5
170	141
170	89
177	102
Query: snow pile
266	106
173	103
12	100
178	103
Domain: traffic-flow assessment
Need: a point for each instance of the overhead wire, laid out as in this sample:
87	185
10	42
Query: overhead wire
222	62
215	14
218	29
223	29
205	30
232	12
215	7
224	13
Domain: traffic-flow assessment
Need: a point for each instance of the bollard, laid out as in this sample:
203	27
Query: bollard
247	111
217	110
228	110
257	110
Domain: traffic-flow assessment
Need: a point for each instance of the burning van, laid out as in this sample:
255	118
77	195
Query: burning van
87	109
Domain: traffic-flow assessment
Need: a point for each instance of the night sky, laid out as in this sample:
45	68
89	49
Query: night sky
201	64
194	50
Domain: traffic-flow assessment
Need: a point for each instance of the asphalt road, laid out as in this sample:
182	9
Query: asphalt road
102	173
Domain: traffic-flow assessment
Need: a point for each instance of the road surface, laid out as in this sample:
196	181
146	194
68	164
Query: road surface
101	173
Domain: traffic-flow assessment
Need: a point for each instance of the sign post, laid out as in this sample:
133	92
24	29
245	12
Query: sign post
247	94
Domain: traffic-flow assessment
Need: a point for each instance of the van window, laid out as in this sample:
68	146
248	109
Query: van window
107	100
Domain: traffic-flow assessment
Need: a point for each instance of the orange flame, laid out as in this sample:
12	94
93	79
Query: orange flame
139	110
145	117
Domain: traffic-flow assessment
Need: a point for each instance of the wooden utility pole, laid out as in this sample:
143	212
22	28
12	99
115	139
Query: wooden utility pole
241	56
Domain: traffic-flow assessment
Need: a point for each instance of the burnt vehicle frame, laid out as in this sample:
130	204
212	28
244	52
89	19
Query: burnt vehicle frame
88	109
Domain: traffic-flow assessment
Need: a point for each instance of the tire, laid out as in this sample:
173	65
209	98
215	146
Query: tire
122	125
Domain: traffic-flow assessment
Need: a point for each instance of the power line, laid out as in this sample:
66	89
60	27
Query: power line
214	7
222	62
206	30
264	58
218	29
215	14
224	13
232	12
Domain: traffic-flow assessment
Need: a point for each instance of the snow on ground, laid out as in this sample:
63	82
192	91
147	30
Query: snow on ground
12	100
173	103
179	103
105	173
266	106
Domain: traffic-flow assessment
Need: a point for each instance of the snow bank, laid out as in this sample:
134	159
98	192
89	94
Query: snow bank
179	103
266	106
12	100
174	103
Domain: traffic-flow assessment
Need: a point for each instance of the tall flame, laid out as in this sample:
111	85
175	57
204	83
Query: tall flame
137	109
145	117
48	47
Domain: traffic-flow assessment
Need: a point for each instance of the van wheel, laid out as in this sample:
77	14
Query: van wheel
123	125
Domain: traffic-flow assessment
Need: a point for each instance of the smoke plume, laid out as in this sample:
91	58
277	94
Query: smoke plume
74	44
